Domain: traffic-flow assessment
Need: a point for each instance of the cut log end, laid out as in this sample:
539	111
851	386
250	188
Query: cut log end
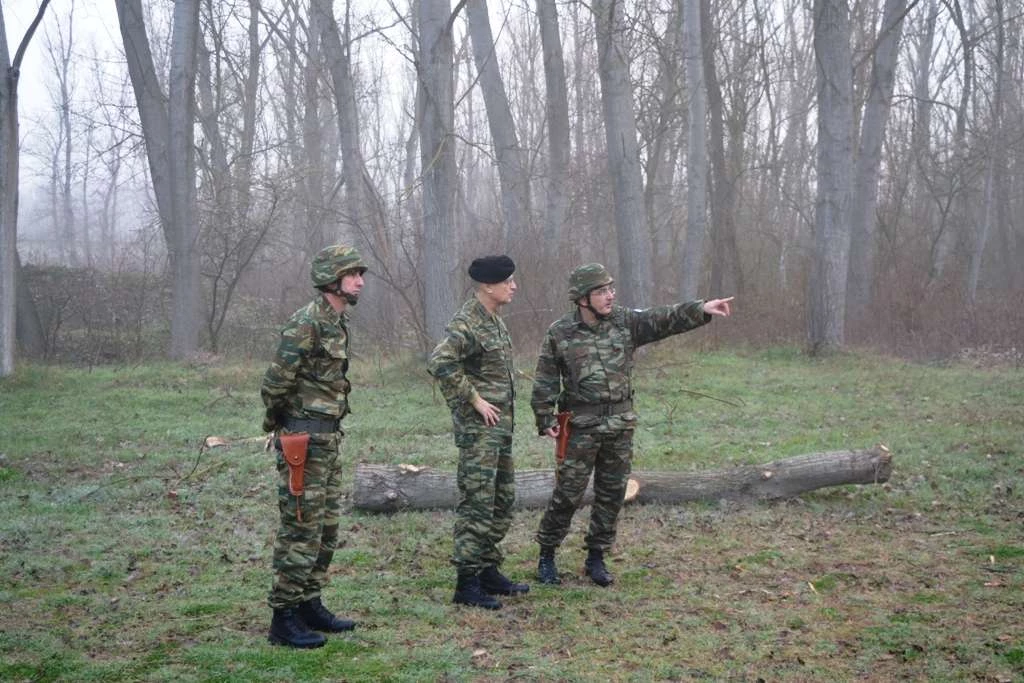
632	490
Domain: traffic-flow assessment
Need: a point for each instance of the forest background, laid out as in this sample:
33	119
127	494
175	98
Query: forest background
849	171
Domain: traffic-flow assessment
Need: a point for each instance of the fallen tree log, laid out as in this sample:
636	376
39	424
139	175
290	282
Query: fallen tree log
390	488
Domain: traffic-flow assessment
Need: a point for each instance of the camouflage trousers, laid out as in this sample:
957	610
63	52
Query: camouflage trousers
487	490
303	549
608	455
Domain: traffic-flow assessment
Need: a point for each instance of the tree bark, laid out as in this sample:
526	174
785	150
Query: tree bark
723	181
9	170
167	126
436	120
151	103
513	175
181	114
623	153
861	271
994	164
827	284
8	204
697	153
557	110
390	488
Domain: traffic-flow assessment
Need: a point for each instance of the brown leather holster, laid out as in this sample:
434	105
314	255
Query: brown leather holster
562	442
294	448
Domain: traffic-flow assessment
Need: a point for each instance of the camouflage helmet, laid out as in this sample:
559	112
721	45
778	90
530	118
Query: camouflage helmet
587	278
330	263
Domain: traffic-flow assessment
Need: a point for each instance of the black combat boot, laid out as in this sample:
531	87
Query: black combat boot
494	582
286	628
468	592
320	618
547	572
595	569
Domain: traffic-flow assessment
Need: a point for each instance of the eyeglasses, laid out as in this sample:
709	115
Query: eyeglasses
604	291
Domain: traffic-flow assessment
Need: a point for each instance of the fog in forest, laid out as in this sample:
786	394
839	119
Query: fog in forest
848	171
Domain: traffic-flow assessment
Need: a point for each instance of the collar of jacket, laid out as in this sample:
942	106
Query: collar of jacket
482	311
577	317
328	310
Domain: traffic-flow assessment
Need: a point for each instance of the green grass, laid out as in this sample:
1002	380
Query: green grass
127	552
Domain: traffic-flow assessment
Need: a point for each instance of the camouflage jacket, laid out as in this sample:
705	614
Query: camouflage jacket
584	365
307	376
474	358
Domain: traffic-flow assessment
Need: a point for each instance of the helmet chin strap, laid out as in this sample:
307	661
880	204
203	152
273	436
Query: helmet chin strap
590	306
335	288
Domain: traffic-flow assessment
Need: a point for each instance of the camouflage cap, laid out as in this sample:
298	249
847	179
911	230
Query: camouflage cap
586	278
330	263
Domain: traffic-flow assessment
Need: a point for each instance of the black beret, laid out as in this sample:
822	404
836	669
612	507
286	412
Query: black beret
491	269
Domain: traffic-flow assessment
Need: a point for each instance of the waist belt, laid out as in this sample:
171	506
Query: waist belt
311	425
602	409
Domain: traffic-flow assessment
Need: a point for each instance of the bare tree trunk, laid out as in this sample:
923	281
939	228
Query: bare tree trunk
793	176
185	318
250	94
363	214
390	488
994	165
513	166
9	144
957	200
722	184
85	189
557	110
313	155
920	135
67	207
869	159
152	106
697	153
827	284
167	125
623	153
356	219
9	152
435	69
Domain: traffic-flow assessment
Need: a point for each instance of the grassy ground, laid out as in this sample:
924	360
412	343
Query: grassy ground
128	554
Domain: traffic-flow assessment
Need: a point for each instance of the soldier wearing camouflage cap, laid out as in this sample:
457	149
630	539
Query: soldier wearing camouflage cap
473	365
305	391
585	369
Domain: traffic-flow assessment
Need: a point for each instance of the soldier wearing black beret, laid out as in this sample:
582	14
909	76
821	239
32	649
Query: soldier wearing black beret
473	365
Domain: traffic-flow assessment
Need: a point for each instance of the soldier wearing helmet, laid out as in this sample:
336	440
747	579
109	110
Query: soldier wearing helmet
473	365
584	280
585	370
305	391
331	265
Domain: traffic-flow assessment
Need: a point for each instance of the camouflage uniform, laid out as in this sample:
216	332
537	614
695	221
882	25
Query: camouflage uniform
475	358
588	370
307	380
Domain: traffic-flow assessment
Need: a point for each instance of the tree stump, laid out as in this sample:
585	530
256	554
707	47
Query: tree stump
390	488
